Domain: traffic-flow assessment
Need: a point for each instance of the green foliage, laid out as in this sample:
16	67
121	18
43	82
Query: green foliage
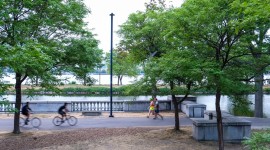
82	56
267	90
238	95
33	35
141	35
137	89
123	65
32	38
4	88
73	82
89	81
241	106
163	91
260	140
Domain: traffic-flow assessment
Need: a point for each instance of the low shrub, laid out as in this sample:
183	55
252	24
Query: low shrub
260	140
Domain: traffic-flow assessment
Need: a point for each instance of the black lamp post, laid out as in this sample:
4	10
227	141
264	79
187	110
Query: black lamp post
111	81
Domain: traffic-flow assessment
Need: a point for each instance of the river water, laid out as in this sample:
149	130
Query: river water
103	79
208	100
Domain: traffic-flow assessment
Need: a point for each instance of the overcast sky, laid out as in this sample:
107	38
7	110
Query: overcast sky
100	21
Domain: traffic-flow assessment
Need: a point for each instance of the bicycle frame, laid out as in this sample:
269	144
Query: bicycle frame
72	120
35	121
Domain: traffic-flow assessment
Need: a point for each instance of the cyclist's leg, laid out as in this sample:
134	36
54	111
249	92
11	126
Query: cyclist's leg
25	121
60	113
27	116
64	115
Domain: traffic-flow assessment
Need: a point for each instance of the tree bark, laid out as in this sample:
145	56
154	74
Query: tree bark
219	120
176	110
36	81
118	80
121	77
154	88
259	96
84	80
17	104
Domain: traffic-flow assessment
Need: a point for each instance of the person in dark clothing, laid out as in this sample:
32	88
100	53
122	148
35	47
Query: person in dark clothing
26	112
157	109
63	111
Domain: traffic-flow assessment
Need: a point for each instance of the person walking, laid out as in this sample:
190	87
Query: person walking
157	109
151	108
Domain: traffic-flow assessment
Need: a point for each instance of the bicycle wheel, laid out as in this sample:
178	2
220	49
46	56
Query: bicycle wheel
22	122
36	122
72	120
57	121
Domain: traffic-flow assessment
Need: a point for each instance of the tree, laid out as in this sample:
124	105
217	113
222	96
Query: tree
180	68
31	39
82	56
209	29
257	23
144	39
123	65
141	35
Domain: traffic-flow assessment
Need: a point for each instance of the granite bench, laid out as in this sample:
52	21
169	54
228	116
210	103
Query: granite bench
91	113
192	109
234	129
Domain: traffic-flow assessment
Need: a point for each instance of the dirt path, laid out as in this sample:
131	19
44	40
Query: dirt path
158	138
110	139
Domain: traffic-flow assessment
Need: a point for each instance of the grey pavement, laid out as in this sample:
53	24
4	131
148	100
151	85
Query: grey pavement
96	122
6	125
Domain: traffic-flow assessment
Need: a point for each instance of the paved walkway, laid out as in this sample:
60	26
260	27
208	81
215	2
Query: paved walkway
6	125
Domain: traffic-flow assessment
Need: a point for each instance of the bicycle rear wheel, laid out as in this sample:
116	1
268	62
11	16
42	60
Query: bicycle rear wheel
57	121
72	120
22	122
36	122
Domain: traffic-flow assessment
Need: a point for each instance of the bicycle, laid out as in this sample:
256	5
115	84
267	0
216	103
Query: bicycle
72	120
35	122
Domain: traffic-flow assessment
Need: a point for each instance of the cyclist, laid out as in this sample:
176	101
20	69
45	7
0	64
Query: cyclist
26	112
63	111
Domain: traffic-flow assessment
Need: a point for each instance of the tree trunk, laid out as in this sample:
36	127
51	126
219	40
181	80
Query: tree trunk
259	96
121	77
176	110
154	88
36	81
118	80
219	120
17	104
176	114
84	80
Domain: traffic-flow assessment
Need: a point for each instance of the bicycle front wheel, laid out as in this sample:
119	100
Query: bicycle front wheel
36	122
57	121
72	120
22	122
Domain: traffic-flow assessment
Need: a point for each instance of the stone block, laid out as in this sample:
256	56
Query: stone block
195	110
91	113
234	129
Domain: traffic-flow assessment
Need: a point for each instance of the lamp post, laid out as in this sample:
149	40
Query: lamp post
111	81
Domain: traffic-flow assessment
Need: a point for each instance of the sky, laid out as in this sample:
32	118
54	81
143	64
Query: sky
100	20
